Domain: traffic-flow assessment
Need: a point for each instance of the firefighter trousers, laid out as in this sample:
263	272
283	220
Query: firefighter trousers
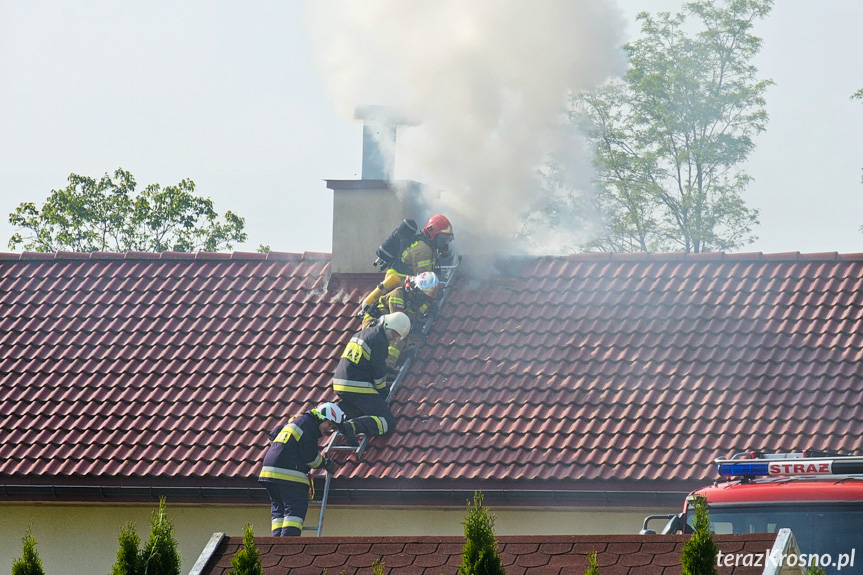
368	412
290	501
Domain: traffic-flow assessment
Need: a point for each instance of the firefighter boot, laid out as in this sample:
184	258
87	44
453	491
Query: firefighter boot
348	432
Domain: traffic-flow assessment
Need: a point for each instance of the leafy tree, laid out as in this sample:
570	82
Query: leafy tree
97	215
247	561
669	137
159	555
479	554
699	553
29	562
128	560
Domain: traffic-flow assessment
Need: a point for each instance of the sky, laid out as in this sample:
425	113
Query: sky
254	102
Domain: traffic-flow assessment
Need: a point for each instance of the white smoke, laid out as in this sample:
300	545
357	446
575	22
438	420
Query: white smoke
486	80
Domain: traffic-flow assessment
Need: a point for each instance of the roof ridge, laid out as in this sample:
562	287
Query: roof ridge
170	256
710	256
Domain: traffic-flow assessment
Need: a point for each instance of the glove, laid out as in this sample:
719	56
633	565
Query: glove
329	466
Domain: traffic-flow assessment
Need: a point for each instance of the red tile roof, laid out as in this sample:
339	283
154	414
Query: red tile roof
544	555
168	368
588	372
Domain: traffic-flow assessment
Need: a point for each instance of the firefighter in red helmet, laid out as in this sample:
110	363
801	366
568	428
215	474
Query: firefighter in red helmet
420	255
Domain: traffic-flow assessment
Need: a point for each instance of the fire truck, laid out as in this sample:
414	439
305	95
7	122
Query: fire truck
818	495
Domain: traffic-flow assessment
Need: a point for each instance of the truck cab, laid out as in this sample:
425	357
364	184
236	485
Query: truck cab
818	495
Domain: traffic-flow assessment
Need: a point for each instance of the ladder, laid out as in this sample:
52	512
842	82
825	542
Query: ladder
447	277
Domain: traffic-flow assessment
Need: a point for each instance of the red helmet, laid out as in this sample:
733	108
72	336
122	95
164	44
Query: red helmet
439	231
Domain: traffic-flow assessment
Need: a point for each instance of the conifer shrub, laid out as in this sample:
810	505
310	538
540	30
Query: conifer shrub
480	554
247	561
160	555
592	568
29	562
699	553
128	559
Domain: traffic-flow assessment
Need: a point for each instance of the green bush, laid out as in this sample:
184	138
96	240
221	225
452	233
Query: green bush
479	555
160	555
247	561
29	562
128	560
699	553
592	568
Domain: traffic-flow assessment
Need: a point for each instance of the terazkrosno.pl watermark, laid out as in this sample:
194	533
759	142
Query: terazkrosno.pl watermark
767	558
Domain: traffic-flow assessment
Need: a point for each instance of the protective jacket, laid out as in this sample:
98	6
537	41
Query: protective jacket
418	257
293	451
414	303
362	367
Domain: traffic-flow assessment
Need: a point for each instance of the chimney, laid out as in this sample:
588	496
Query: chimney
379	140
366	211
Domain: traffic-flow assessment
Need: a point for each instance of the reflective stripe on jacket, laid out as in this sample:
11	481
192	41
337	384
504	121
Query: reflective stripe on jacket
362	367
293	451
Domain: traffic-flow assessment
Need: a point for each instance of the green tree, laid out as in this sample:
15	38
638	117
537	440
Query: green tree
247	561
128	559
29	562
479	554
670	137
699	553
108	215
159	555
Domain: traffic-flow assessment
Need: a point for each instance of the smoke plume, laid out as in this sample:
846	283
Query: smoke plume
484	81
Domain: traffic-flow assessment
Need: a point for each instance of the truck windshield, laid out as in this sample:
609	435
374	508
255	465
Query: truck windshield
820	528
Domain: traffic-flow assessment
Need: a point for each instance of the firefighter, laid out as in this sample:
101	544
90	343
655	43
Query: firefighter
420	255
414	299
360	377
292	453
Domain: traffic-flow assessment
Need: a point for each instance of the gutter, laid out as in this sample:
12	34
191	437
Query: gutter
255	495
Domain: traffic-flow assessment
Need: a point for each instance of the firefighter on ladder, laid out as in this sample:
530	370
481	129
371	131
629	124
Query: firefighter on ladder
421	255
291	455
414	298
360	377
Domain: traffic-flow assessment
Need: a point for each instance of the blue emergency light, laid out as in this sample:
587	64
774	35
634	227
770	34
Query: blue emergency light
750	464
743	469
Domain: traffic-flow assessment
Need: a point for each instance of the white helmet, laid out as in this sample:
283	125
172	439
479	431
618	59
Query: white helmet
396	321
427	282
331	412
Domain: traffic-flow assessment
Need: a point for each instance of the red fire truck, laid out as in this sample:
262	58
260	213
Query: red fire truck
818	495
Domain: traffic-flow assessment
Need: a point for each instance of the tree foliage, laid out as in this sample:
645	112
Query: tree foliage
247	561
669	138
128	560
592	567
480	554
699	553
108	214
160	555
29	562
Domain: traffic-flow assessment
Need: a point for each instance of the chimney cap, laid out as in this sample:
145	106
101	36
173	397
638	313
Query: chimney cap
386	115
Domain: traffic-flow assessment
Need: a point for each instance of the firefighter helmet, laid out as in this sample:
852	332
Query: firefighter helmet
330	412
427	282
439	231
397	322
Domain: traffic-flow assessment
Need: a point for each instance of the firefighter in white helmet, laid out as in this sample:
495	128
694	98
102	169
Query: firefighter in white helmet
414	298
292	453
420	255
360	377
